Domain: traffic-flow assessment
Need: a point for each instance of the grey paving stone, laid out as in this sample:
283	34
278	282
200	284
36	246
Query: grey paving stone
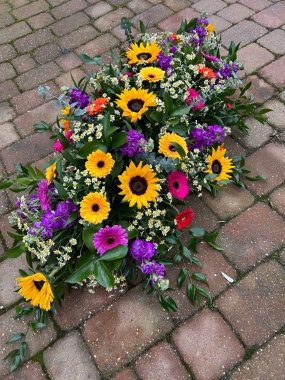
6	112
30	370
243	32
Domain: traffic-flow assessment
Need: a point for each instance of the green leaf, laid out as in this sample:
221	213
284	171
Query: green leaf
15	337
36	325
177	258
15	236
6	184
103	275
211	237
191	292
182	277
156	116
197	231
11	353
132	234
168	303
173	240
69	158
15	363
91	61
181	129
180	111
117	168
204	293
88	236
168	103
199	277
81	273
71	218
61	190
196	261
115	253
178	149
185	251
119	139
217	247
84	258
62	139
15	252
192	245
91	147
23	348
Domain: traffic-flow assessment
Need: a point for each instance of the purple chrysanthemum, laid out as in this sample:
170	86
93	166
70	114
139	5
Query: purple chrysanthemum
142	250
62	213
134	143
207	137
109	237
153	268
164	62
43	196
77	96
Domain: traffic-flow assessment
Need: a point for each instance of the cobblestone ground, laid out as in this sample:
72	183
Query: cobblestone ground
129	336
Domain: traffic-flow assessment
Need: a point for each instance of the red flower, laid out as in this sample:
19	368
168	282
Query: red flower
97	106
184	219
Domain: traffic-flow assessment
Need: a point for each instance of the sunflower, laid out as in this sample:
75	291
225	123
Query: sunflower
143	53
218	164
151	74
99	164
51	173
94	208
135	103
138	185
65	111
37	290
167	148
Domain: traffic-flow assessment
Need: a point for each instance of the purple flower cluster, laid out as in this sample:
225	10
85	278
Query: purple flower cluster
226	71
45	201
133	145
210	58
206	137
142	250
77	96
153	268
32	206
164	62
200	31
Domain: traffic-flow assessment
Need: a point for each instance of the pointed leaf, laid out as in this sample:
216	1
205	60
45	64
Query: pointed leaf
103	275
191	292
15	337
182	277
199	277
115	253
81	273
88	236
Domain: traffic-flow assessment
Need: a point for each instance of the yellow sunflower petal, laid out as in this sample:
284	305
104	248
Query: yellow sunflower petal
218	164
51	173
99	164
166	147
143	53
152	74
94	208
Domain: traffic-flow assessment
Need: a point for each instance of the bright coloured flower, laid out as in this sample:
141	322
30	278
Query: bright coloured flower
94	208
109	237
218	164
43	195
97	106
138	185
184	219
65	111
58	147
37	290
210	28
167	148
178	184
142	250
99	164
77	96
153	268
151	74
134	144
51	173
135	102
206	72
193	97
143	53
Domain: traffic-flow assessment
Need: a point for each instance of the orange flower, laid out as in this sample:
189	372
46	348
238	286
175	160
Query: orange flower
97	106
66	125
174	38
206	72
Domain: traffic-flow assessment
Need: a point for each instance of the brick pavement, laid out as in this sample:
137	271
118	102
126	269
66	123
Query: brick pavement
129	336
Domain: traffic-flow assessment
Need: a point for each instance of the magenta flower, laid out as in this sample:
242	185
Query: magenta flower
109	237
194	96
178	184
43	196
58	147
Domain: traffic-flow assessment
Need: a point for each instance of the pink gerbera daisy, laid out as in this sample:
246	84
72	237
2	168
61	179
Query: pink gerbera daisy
109	237
178	184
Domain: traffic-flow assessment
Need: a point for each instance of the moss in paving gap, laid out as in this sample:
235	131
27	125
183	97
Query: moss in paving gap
282	330
7	308
38	357
249	352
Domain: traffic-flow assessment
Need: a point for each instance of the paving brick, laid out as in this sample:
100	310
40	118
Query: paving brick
18	3
77	38
126	374
66	79
4	8
14	31
68	8
8	90
69	61
138	6
175	5
161	362
173	23
40	21
6	71
245	32
69	358
120	33
258	134
46	112
69	24
276	116
38	76
271	17
219	23
79	305
55	3
32	41
253	305
256	5
99	9
121	332
23	63
47	53
152	16
212	6
247	240
6	20
261	90
118	2
31	9
30	370
213	264
274	41
38	146
275	72
235	13
7	52
8	135
5	226
6	112
98	45
35	341
112	19
253	57
209	335
277	199
4	204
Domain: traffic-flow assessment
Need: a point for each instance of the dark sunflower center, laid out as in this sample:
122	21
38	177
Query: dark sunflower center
151	76
100	164
110	240
216	167
172	148
95	207
144	56
138	185
176	185
135	105
39	284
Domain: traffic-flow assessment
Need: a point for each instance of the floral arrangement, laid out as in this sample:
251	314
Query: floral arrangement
136	137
